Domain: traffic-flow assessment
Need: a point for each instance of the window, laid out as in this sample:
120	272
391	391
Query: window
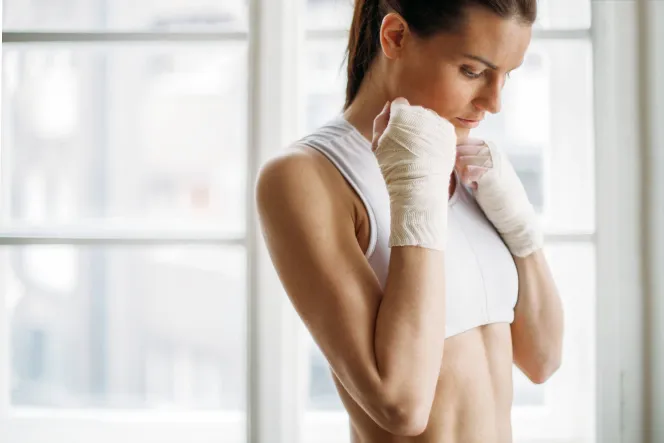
546	127
123	222
127	261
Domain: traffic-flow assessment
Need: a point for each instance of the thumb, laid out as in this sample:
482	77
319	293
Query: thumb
400	101
380	124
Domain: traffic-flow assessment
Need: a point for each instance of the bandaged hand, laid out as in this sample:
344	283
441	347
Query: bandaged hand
415	149
501	195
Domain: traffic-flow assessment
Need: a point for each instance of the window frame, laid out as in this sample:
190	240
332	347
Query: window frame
271	408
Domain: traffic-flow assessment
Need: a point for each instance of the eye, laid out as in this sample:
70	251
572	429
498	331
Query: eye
469	73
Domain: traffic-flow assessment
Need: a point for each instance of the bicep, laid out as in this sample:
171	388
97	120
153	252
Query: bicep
311	239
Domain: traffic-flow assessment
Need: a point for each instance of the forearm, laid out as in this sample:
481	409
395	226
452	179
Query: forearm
537	331
410	326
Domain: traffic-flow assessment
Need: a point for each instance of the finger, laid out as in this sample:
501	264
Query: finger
382	119
400	101
474	141
472	174
476	160
467	149
380	124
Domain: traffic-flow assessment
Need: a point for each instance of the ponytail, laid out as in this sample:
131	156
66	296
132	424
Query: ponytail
363	44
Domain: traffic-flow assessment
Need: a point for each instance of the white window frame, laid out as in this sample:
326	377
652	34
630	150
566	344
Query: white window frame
276	361
271	380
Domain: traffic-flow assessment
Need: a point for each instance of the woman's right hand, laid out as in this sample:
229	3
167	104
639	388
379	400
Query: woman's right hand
416	152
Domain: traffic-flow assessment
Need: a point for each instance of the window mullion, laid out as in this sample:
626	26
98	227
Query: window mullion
133	237
4	318
538	34
4	341
275	41
619	203
87	37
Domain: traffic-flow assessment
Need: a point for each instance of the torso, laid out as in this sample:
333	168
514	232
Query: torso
473	397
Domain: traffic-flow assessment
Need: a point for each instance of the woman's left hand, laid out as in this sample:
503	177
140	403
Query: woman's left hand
501	195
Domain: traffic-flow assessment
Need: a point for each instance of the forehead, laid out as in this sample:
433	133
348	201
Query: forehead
485	34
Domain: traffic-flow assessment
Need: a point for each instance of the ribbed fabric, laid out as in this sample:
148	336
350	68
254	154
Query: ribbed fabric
416	155
480	275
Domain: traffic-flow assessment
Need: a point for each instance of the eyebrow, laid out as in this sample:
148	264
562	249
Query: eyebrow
480	59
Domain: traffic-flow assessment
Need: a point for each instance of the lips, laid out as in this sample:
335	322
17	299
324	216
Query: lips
468	123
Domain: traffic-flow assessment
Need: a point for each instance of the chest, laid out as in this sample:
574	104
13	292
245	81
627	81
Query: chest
480	274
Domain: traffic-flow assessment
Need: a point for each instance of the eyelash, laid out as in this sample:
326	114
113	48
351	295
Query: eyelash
473	76
470	74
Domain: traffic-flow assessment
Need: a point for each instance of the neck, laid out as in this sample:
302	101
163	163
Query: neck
370	100
367	104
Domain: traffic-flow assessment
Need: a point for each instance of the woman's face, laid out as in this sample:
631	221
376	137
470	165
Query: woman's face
460	76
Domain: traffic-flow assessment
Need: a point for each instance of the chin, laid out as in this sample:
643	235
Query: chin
462	133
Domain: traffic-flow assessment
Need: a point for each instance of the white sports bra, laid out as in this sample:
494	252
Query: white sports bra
480	274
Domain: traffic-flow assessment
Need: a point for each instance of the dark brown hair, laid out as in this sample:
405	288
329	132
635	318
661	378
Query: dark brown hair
424	17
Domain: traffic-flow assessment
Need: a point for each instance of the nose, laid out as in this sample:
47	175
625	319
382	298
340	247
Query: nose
490	98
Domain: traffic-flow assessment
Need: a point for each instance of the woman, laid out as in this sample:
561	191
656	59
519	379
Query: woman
420	299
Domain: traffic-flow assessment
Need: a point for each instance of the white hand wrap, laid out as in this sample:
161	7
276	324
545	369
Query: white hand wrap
503	199
416	154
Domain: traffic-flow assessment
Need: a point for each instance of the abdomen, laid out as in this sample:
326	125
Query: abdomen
473	397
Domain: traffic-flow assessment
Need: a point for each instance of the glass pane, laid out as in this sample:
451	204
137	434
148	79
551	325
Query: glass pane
546	124
150	134
117	327
571	389
325	81
552	14
329	14
144	15
323	395
563	14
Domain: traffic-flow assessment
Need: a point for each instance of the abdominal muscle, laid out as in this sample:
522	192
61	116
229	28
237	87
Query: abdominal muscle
473	397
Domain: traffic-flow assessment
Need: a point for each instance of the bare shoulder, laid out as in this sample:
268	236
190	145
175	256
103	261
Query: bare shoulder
301	179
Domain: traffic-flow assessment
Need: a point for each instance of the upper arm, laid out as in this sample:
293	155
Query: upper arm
309	231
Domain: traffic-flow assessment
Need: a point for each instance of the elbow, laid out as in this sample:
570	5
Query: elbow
405	418
545	371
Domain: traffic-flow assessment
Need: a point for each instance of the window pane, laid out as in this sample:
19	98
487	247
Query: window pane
563	14
571	390
144	15
144	134
118	327
323	395
546	123
324	82
552	14
329	14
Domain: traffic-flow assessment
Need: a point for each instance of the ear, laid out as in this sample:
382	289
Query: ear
394	34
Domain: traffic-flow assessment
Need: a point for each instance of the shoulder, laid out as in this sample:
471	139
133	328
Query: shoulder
300	179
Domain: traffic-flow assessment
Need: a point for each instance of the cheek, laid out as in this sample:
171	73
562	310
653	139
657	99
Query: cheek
442	89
